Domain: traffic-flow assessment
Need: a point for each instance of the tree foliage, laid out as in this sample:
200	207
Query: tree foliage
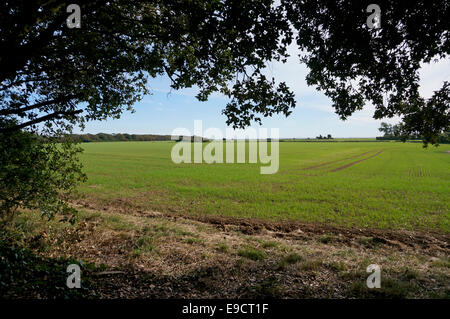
49	72
53	74
36	172
327	137
390	130
399	133
355	65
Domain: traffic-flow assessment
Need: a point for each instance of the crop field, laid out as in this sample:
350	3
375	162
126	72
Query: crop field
148	228
387	185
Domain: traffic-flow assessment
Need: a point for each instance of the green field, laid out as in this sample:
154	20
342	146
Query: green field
403	187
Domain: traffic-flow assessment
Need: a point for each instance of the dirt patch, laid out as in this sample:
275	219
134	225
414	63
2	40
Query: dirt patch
430	241
354	163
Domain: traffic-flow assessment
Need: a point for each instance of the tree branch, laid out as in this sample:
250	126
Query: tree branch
37	105
55	115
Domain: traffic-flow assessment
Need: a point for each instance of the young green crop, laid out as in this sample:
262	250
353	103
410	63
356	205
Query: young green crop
358	184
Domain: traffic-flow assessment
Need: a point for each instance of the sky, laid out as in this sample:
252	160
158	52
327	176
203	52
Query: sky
165	110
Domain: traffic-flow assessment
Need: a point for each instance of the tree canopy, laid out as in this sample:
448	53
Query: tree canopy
390	130
355	65
59	75
49	72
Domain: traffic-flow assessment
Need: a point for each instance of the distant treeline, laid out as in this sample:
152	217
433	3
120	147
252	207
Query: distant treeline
119	137
396	138
395	132
325	140
443	138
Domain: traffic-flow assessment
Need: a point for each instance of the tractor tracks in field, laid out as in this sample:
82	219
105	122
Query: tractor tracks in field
312	168
356	162
335	161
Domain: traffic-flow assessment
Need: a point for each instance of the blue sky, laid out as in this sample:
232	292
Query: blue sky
165	109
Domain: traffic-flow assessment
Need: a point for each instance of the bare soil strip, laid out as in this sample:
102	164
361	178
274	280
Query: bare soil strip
430	240
335	161
354	163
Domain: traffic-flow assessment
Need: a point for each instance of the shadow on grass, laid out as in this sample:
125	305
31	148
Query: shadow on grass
24	275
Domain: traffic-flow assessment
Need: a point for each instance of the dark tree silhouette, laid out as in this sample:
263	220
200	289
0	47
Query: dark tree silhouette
49	72
53	74
354	64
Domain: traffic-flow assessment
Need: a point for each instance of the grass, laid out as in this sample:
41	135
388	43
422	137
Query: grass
143	245
391	289
404	187
269	244
118	223
326	239
194	241
289	259
370	242
311	265
251	253
441	263
222	247
337	266
267	288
